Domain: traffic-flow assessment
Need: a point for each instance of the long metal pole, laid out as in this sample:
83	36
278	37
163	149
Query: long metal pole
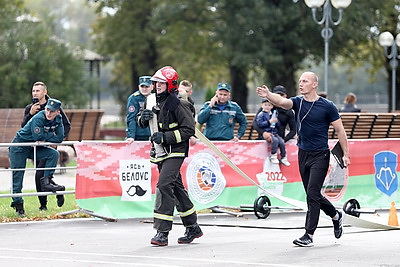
393	88
326	33
326	36
393	64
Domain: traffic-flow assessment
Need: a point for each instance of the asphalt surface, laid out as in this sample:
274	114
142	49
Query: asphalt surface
227	241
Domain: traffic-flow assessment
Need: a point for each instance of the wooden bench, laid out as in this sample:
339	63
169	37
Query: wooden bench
356	125
369	125
10	123
85	125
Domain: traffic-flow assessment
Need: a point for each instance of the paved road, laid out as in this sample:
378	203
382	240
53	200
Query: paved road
227	241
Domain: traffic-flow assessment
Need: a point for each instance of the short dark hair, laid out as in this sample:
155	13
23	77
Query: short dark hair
186	83
40	84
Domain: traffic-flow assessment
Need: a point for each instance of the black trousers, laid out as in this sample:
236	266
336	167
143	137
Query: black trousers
39	174
171	193
313	167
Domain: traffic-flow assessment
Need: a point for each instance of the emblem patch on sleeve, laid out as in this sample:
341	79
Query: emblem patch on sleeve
36	130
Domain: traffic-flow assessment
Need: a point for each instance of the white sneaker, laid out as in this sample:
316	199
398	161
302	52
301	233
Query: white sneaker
285	162
274	159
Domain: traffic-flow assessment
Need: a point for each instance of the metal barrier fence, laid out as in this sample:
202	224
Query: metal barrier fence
34	168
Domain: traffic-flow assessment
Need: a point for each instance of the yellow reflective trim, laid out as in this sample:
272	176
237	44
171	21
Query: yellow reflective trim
173	125
163	217
187	213
171	155
178	136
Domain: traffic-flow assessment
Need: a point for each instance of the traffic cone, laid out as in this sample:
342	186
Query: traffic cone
393	216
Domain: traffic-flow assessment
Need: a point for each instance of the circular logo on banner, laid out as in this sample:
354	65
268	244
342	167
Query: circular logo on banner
204	178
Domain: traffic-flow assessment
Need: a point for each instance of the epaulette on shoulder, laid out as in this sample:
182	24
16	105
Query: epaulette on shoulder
233	103
136	93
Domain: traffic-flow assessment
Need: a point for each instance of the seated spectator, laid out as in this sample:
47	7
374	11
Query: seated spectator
268	121
285	117
220	115
350	104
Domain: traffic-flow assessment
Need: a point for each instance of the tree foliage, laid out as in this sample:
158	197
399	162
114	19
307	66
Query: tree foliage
126	36
244	43
382	16
28	53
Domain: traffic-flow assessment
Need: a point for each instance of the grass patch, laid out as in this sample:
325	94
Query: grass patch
71	163
31	206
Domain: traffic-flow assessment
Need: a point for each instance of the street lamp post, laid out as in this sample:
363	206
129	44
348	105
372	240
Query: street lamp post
387	40
326	19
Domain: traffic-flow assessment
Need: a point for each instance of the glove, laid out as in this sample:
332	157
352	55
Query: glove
147	115
158	138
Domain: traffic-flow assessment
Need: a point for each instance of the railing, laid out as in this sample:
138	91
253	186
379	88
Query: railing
34	168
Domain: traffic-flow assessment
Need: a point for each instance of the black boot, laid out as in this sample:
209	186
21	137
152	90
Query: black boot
19	209
43	202
160	239
190	234
60	198
49	187
61	187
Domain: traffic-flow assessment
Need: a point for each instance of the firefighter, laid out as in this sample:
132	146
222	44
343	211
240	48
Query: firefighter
175	127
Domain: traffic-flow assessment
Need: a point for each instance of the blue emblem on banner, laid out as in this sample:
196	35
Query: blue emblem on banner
385	172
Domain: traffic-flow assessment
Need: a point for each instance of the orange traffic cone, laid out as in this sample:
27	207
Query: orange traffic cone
393	216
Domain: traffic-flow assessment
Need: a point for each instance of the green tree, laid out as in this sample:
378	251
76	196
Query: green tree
126	36
28	53
244	43
383	16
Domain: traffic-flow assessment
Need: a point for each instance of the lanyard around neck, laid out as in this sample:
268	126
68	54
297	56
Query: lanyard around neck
298	114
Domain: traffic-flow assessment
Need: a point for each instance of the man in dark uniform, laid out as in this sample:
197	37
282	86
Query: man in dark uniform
175	126
39	101
285	117
45	126
135	103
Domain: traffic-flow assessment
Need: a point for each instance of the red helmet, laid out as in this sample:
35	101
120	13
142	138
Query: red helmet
167	75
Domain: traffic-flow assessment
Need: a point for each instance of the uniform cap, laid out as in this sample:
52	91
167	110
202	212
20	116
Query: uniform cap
145	80
224	86
53	104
